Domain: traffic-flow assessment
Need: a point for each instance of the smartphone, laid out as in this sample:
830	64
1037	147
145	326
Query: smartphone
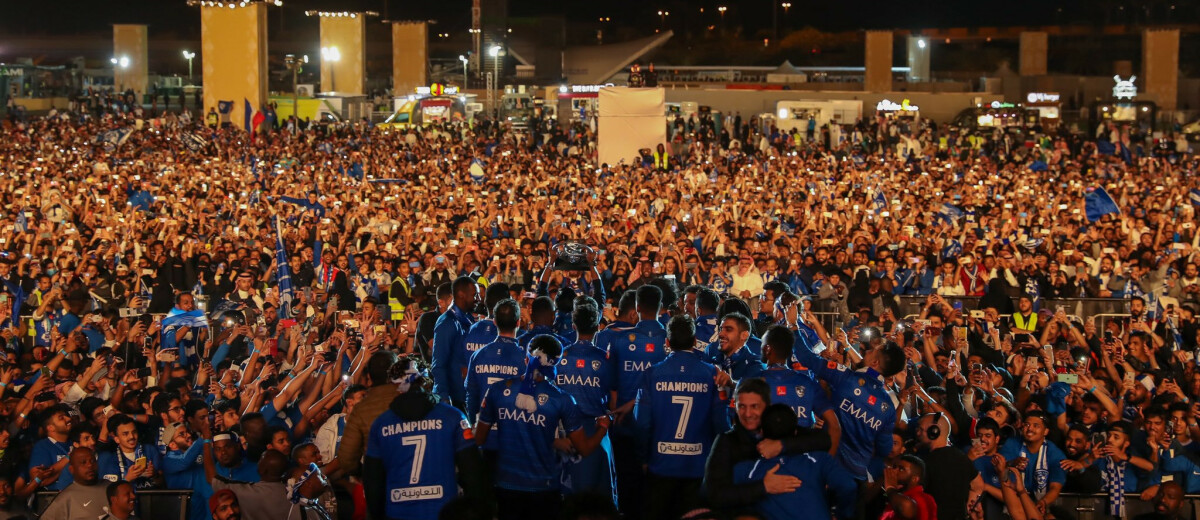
1070	379
977	314
45	371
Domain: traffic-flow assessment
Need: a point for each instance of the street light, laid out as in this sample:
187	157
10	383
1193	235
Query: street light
464	61
331	55
293	64
123	61
495	52
188	55
662	16
921	43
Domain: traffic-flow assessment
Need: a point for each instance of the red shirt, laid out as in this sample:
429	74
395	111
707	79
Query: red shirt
926	507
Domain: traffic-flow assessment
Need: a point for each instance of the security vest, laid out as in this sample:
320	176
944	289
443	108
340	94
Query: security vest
660	160
32	329
1024	323
212	119
394	305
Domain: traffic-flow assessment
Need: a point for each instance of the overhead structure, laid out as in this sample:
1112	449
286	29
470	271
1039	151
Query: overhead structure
129	60
1034	45
1160	66
343	50
233	41
878	74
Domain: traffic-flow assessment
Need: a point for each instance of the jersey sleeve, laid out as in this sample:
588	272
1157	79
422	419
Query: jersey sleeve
717	409
642	412
572	417
487	406
473	389
464	436
443	348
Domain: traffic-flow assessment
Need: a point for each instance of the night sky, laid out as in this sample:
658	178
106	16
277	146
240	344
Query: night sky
63	17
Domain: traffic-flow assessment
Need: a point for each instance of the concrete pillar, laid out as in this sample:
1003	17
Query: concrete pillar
878	77
234	46
1034	46
347	34
410	56
919	48
1123	68
130	49
1160	66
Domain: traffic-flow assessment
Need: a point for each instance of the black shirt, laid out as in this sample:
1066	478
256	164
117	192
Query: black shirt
948	476
424	333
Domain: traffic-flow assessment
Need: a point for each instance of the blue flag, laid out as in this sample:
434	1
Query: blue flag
177	319
1194	197
1098	203
284	276
18	297
953	249
950	213
224	107
881	203
476	170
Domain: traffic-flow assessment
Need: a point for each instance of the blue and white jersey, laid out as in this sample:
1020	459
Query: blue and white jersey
114	465
499	361
706	329
679	413
47	452
449	367
817	471
481	333
741	363
584	373
419	459
864	409
527	460
632	353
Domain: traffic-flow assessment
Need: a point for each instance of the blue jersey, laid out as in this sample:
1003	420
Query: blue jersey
584	373
419	459
499	361
114	465
740	364
564	328
481	334
798	390
538	330
817	471
706	329
864	410
449	367
1043	466
614	330
632	353
679	414
527	460
1183	469
47	452
185	470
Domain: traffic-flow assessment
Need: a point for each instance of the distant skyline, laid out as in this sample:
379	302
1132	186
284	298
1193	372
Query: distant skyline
27	18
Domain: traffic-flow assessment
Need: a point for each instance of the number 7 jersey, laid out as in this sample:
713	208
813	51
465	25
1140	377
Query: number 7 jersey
419	459
679	414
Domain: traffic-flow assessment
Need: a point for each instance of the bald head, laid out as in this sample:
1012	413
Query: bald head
272	466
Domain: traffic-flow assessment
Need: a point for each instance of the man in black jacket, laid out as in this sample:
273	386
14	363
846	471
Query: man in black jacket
744	442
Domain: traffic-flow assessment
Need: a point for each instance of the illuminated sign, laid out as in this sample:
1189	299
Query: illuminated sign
12	72
437	89
892	106
1124	89
997	104
588	89
1042	97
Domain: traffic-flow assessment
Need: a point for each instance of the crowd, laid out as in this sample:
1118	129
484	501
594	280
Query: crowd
462	321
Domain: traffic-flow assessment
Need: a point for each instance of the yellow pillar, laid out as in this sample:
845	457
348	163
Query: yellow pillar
348	73
878	76
410	56
1034	45
234	46
130	49
1160	66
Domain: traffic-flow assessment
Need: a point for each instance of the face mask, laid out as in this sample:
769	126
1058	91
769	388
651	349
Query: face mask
51	271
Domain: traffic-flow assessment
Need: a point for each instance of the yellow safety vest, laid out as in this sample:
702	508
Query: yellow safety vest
32	332
1022	324
660	160
394	305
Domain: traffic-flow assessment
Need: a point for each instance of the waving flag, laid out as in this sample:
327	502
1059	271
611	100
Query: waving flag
114	138
950	213
1194	197
880	202
1098	203
952	249
476	170
193	141
177	319
284	276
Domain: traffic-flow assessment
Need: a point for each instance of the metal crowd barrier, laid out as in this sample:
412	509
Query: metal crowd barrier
1103	309
154	504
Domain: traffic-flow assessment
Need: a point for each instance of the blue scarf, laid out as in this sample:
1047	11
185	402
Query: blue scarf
1114	486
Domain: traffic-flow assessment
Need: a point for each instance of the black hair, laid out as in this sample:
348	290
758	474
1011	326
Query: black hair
732	305
81	428
378	365
162	402
891	359
495	294
754	385
586	319
463	283
111	490
118	421
627	303
778	421
542	310
649	299
565	299
741	319
780	339
681	333
506	314
917	464
669	296
547	344
707	300
444	290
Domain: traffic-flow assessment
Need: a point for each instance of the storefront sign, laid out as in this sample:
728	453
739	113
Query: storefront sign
892	106
437	89
1042	97
998	104
12	72
588	89
1124	89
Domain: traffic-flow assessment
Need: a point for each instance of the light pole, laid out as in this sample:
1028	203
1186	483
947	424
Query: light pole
464	61
188	55
722	9
496	52
293	64
662	17
332	56
786	6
